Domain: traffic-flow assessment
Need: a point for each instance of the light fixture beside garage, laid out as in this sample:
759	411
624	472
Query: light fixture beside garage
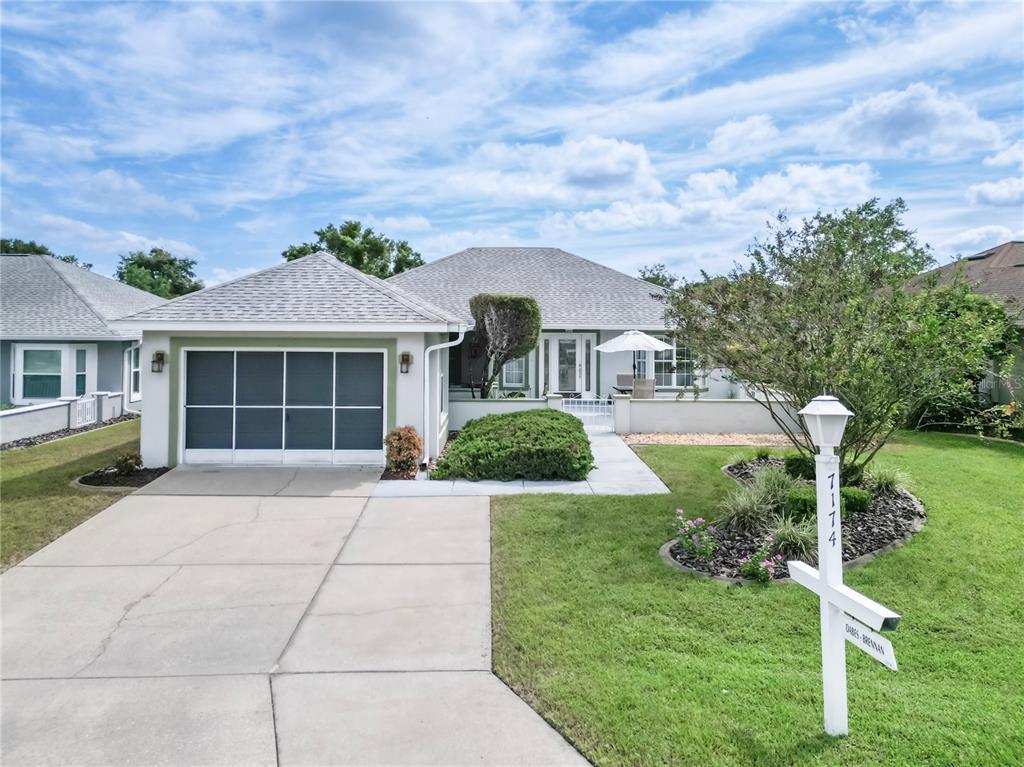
404	361
157	365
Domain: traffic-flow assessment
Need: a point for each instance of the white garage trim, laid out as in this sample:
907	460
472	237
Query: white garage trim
280	456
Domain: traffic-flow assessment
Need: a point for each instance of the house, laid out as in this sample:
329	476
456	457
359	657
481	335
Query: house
312	361
56	333
997	272
582	305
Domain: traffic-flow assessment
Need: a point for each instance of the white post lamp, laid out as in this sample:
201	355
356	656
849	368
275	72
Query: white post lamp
825	418
845	614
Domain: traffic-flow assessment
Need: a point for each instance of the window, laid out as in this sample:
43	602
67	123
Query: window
79	372
514	373
49	371
673	367
135	373
41	374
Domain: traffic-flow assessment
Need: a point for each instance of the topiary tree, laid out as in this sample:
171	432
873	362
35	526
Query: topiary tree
508	327
825	308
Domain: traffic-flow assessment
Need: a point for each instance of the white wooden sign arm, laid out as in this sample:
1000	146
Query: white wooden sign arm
867	611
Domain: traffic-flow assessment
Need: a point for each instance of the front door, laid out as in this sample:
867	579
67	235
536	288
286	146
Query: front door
569	363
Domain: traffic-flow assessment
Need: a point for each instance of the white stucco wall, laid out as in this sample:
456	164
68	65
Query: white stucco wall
705	416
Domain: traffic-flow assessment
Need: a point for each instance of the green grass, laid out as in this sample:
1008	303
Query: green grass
37	502
639	664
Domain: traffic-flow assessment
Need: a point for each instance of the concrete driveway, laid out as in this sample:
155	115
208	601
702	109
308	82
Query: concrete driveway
263	616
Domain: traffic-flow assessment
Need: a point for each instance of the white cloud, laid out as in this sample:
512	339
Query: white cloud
917	121
683	45
70	235
593	168
743	137
389	224
1008	191
109	190
1012	155
717	199
978	238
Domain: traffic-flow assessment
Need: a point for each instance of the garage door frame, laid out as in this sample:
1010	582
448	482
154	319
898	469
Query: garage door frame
243	457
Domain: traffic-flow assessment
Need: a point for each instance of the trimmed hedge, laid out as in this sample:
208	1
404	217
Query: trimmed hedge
799	466
530	444
801	502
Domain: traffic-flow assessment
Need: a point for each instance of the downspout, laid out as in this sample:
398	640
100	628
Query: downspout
426	388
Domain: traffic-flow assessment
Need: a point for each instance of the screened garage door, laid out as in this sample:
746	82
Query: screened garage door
296	407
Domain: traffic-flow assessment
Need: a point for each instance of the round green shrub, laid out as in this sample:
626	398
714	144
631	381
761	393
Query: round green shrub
854	500
801	503
799	466
531	444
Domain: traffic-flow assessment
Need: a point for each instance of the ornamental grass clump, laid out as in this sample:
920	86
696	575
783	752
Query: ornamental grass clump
885	480
795	538
696	536
746	509
774	483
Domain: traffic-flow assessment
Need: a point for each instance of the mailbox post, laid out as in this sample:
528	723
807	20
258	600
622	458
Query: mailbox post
825	418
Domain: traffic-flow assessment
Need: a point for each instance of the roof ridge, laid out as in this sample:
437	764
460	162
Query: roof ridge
49	261
407	300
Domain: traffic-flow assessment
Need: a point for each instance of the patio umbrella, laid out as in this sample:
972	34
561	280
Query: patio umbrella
633	341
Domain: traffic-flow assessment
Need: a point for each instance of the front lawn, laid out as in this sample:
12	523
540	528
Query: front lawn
37	503
638	664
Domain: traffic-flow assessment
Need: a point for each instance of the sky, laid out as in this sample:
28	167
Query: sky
627	133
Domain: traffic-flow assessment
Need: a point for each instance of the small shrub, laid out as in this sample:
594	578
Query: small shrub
801	503
763	453
795	538
800	466
404	449
531	444
853	500
696	535
747	509
885	480
126	463
852	476
775	483
762	566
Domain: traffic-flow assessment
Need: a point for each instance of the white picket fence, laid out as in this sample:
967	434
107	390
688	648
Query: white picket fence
596	414
83	412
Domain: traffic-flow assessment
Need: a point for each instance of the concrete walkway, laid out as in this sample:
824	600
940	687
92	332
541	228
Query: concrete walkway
617	471
266	624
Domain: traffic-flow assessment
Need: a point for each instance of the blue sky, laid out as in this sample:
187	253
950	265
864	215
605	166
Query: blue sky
627	133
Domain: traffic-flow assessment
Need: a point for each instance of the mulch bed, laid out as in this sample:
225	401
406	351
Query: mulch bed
109	477
39	439
889	519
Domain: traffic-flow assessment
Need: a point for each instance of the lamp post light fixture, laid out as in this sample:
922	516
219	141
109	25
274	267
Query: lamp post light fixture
825	418
157	364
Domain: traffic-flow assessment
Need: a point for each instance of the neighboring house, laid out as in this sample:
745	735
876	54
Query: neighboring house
997	272
582	304
56	337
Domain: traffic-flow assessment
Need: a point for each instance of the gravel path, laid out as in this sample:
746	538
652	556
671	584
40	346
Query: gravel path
771	440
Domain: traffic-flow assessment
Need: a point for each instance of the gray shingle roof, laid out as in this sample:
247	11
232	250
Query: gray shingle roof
314	289
43	297
572	291
997	272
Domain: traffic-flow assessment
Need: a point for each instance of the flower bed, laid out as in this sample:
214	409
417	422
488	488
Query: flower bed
891	517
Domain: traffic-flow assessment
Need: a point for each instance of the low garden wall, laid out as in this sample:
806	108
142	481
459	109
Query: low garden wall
704	416
33	420
462	410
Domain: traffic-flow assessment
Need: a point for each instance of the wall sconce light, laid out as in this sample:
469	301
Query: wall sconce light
404	360
157	365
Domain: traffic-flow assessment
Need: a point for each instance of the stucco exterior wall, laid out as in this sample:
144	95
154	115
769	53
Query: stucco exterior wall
109	363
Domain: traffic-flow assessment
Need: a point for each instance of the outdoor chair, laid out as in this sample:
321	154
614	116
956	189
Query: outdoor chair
643	388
